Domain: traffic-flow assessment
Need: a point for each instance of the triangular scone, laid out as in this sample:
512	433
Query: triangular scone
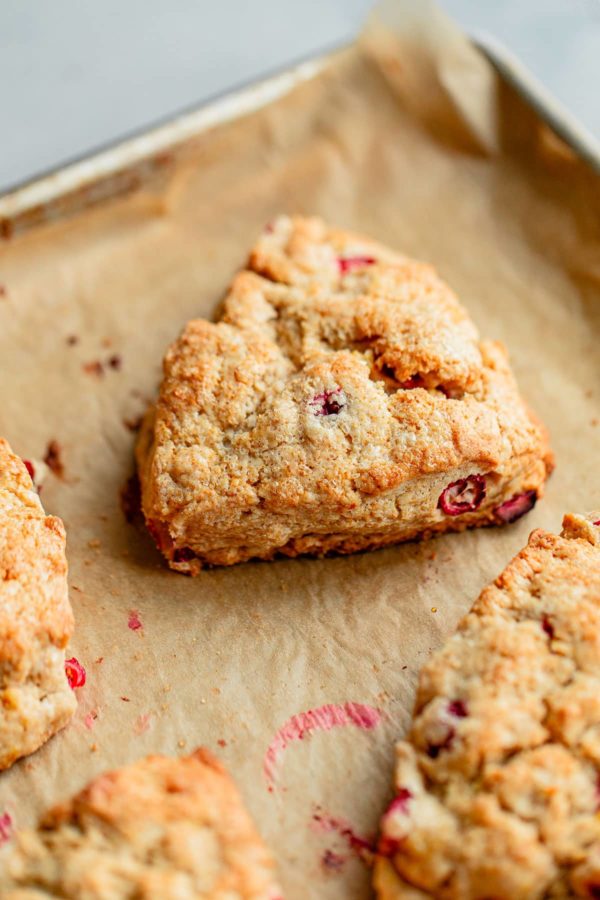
174	829
498	782
36	620
342	402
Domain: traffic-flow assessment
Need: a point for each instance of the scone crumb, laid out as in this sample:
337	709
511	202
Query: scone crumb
94	368
53	458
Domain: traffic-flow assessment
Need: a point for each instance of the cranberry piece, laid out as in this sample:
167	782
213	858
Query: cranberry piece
328	403
596	523
350	263
434	750
464	495
75	673
517	506
400	802
414	381
388	846
548	626
29	466
458	708
183	554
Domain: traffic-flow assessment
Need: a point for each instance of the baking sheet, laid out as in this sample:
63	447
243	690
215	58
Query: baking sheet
410	137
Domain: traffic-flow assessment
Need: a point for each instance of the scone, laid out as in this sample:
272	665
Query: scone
36	620
342	402
498	782
160	829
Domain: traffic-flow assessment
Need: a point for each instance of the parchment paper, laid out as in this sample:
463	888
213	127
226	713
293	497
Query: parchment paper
410	138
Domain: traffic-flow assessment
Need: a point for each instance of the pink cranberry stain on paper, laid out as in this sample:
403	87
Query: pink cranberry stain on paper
6	828
134	623
332	861
361	847
90	719
142	723
324	718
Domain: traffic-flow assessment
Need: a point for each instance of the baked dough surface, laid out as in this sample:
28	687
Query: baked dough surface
343	390
36	620
497	785
160	829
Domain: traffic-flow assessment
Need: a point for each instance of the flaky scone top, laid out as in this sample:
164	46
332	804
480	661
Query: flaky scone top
174	829
36	619
337	373
497	784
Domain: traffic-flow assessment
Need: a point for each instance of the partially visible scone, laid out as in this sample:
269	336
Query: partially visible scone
36	620
498	782
342	402
160	829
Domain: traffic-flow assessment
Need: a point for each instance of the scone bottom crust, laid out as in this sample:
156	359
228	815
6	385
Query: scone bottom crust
343	402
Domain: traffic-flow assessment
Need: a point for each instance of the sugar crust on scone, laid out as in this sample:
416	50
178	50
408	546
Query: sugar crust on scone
341	393
174	829
36	620
497	785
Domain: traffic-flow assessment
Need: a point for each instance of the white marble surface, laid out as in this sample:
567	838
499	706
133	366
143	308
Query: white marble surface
76	75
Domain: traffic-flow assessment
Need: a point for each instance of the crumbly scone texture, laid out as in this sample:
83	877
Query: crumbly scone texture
36	620
160	829
340	393
498	782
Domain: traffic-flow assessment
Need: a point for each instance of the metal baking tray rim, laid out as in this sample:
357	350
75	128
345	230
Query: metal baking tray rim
101	167
551	110
121	166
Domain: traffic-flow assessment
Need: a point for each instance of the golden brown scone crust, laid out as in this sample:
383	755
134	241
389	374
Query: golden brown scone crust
498	782
160	829
343	389
36	620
